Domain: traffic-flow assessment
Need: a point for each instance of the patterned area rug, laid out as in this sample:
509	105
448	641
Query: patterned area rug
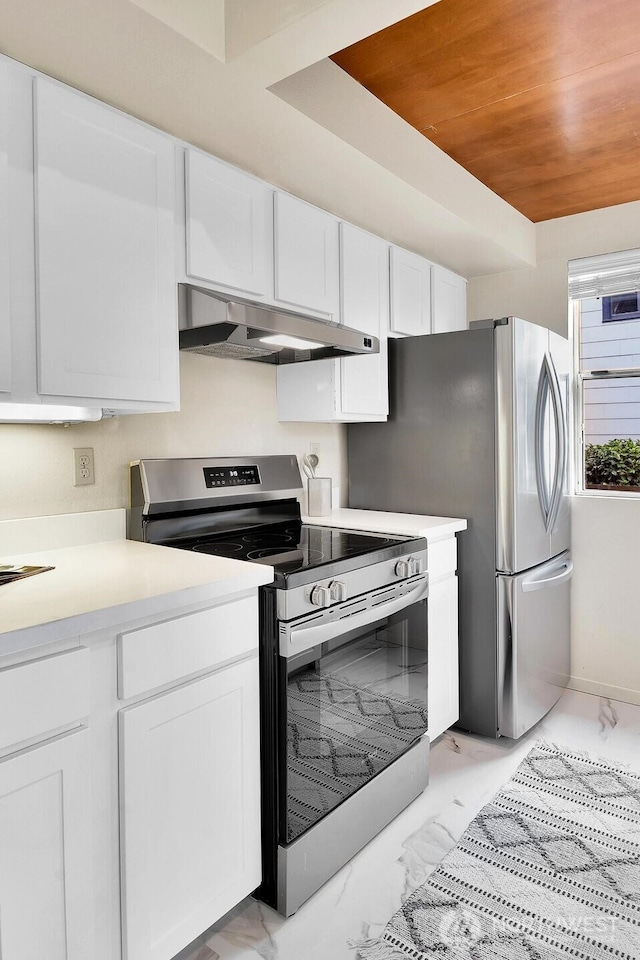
548	870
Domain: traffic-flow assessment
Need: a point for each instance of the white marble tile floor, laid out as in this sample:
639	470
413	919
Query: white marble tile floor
465	773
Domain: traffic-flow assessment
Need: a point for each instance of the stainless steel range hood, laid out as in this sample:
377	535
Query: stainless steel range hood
223	326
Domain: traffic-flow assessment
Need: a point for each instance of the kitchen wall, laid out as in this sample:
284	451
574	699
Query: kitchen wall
119	53
606	530
228	407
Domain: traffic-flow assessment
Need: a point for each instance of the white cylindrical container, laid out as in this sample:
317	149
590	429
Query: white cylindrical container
319	496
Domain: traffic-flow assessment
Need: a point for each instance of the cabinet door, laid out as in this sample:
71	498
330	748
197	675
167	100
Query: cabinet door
5	314
306	256
410	293
45	864
443	655
106	290
229	226
309	392
365	306
350	388
190	809
448	300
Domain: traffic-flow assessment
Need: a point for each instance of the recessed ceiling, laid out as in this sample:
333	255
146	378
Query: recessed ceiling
538	99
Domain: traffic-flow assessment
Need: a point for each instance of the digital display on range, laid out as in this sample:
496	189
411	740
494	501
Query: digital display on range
230	476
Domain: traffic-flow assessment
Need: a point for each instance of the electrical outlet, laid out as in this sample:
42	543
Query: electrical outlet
314	448
83	466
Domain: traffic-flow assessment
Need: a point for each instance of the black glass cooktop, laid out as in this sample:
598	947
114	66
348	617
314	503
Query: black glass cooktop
293	549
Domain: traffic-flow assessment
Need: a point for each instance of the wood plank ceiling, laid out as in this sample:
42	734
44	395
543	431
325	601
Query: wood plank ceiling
538	99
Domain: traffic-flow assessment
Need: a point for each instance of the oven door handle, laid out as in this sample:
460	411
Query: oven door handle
297	639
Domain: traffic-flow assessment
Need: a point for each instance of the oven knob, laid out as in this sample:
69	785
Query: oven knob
338	591
415	565
320	596
402	568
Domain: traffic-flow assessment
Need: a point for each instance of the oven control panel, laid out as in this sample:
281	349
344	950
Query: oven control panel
348	586
333	621
230	476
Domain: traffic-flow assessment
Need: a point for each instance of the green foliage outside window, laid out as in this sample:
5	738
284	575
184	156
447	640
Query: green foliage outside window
616	463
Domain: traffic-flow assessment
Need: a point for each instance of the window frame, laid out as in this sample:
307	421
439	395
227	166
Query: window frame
608	317
580	377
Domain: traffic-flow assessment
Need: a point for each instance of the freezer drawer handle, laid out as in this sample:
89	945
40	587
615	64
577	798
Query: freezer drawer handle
528	586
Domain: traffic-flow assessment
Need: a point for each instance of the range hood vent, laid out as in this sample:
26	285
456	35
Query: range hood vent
221	326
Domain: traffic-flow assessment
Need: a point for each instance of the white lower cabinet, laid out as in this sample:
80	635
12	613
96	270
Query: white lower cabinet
45	851
443	697
190	809
128	828
443	655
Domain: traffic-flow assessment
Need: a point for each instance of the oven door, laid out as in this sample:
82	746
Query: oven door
353	691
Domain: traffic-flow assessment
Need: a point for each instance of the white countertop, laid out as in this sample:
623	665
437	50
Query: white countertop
102	584
99	585
402	524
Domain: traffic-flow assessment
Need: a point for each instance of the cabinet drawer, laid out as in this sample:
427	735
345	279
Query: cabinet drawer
443	558
43	695
165	652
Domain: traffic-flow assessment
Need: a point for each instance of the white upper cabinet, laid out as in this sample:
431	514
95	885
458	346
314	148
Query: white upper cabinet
306	256
229	226
448	300
365	306
5	315
106	281
348	388
410	293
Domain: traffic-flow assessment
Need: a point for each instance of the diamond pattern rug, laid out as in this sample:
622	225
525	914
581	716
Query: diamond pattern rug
548	870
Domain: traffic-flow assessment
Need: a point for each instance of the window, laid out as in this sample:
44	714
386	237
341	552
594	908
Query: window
622	306
605	292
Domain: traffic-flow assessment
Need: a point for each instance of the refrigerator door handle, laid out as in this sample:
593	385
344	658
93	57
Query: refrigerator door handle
548	387
544	388
566	571
561	445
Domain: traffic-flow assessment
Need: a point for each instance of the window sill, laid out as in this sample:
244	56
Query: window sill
616	487
609	490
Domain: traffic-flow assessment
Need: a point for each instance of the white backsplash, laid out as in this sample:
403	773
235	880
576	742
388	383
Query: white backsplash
62	530
228	408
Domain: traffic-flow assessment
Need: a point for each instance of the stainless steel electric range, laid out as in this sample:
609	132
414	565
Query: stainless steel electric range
343	656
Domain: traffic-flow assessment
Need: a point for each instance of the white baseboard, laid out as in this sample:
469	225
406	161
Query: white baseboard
606	690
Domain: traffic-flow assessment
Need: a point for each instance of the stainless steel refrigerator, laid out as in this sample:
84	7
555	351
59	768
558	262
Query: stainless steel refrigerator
478	428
